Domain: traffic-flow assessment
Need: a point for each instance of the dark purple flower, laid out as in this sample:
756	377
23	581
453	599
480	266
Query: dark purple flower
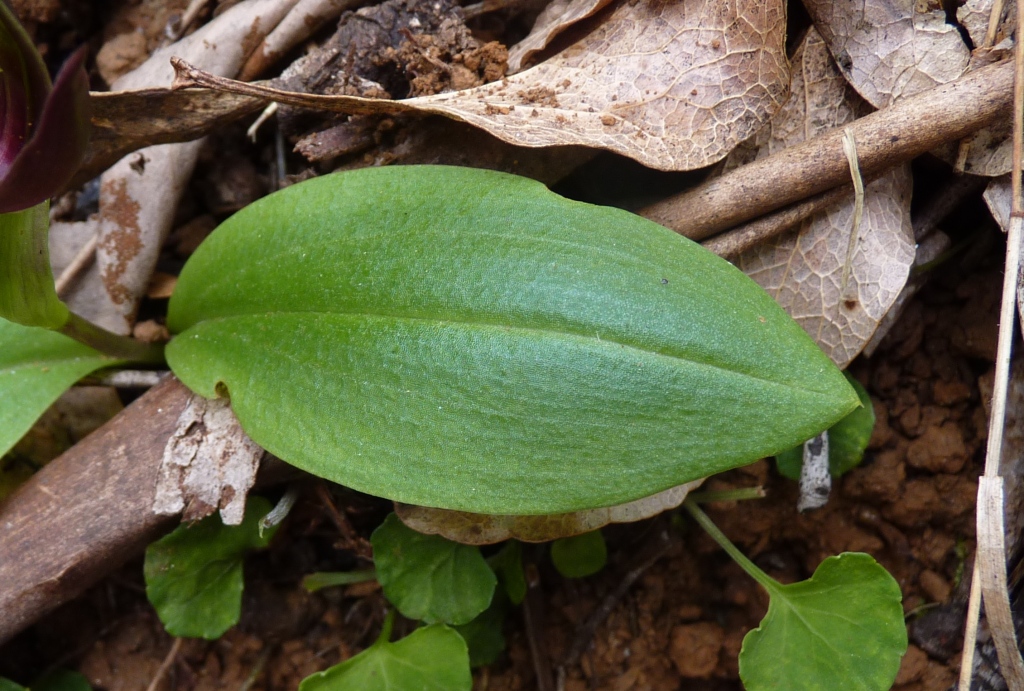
44	129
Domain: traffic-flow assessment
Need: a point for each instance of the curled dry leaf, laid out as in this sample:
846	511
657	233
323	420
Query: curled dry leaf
674	85
803	269
976	15
124	121
209	463
299	24
889	49
139	194
558	16
486	529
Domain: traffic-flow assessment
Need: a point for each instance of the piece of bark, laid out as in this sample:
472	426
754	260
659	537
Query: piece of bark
87	512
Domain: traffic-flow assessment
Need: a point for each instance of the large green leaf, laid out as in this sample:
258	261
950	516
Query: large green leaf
469	340
428	577
36	367
841	628
433	658
27	293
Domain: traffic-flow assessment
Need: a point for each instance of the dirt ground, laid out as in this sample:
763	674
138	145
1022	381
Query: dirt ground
681	622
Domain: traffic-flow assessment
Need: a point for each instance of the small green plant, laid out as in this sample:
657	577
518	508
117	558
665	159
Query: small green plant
56	680
579	556
194	574
847	439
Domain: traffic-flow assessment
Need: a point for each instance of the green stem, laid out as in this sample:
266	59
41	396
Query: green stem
121	347
728	495
385	631
327	579
769	583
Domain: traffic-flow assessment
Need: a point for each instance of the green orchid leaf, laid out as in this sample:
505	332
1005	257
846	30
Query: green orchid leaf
36	367
27	294
507	565
194	574
8	685
433	658
847	439
484	636
430	578
843	626
580	555
468	340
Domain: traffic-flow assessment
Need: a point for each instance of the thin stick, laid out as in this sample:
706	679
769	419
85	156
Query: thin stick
971	633
1009	657
886	138
81	261
165	665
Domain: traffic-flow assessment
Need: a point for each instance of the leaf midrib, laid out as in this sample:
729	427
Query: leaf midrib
10	370
483	324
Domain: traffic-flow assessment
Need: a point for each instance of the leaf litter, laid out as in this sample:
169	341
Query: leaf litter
803	269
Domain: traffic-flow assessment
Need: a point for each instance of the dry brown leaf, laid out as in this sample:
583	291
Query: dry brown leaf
999	198
802	269
674	85
484	529
889	49
209	463
124	121
140	193
558	16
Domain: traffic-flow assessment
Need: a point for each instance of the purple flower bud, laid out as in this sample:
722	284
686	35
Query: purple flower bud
44	129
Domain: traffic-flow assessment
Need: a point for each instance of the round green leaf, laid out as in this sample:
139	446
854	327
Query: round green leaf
36	367
466	339
484	636
194	575
579	555
847	439
428	577
842	628
433	658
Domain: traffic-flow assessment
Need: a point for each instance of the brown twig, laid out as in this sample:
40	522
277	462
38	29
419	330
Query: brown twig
357	544
533	622
662	542
161	671
885	139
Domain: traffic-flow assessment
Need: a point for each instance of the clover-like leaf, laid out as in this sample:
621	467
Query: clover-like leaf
432	658
580	555
468	340
508	567
847	439
36	367
428	577
483	635
842	626
194	575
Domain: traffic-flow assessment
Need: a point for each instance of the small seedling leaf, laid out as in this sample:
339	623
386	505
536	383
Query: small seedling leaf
580	555
508	566
843	625
483	635
847	439
194	575
466	339
36	367
428	577
433	658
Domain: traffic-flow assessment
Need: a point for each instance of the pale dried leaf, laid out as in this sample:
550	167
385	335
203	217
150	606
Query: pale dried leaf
674	85
999	199
928	250
802	269
989	151
209	463
889	49
299	24
974	15
558	16
140	193
484	529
